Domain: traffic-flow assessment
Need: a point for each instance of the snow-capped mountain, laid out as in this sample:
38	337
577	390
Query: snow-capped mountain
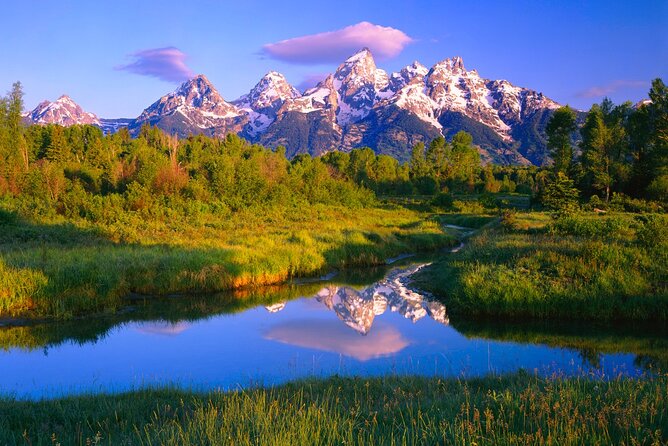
264	100
194	107
358	308
361	105
357	105
358	83
63	111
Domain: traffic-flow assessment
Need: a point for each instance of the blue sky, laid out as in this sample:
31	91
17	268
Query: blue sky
573	51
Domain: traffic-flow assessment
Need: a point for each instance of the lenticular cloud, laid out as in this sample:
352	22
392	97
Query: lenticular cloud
167	64
384	42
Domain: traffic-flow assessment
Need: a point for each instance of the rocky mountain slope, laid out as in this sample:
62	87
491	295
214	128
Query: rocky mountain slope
357	105
63	111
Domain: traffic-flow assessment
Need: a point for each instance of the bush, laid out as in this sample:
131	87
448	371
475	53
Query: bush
443	200
560	195
488	201
653	232
600	227
621	202
658	188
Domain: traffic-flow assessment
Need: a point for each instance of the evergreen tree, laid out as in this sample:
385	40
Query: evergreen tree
58	149
559	130
560	194
603	148
658	151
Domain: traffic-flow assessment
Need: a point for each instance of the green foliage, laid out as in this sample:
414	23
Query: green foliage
580	267
653	232
443	200
559	130
560	194
495	410
597	227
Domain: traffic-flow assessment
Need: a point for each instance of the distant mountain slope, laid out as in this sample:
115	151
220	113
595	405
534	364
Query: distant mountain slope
358	105
63	111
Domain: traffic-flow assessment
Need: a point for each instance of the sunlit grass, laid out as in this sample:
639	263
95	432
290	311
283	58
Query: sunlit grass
515	409
61	269
583	267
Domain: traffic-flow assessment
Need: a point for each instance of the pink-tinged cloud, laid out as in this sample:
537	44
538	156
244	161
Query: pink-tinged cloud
310	81
334	46
611	87
167	64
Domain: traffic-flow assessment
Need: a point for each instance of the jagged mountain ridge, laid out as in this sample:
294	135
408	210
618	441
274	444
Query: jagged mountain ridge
358	308
63	111
361	105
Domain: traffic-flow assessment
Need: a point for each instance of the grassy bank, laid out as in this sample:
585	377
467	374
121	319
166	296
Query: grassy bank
57	268
516	409
612	267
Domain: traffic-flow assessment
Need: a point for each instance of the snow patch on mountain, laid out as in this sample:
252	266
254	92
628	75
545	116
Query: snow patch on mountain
63	111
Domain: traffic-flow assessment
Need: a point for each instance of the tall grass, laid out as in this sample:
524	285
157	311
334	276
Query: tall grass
584	267
61	269
511	410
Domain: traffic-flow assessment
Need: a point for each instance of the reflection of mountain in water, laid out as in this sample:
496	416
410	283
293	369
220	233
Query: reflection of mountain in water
358	308
275	308
162	328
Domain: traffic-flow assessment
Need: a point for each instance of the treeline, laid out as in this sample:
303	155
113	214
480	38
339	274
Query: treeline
70	168
80	172
623	149
440	167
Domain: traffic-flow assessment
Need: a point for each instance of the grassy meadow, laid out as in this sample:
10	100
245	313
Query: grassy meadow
58	268
585	266
518	409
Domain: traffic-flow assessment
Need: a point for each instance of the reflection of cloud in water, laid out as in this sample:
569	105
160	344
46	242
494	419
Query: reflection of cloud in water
162	328
332	336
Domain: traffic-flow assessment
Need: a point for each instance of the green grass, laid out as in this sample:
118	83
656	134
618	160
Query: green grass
513	410
611	267
56	268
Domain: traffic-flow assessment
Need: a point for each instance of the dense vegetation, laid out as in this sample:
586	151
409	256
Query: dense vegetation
513	410
607	267
87	218
622	149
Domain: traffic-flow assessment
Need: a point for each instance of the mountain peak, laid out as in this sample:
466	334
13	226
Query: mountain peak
454	65
268	95
274	76
363	54
63	111
197	91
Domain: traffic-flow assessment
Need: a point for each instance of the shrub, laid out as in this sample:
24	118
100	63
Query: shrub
601	227
560	195
488	201
621	202
443	200
653	232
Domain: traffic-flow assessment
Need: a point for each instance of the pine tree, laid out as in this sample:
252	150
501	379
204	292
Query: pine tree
559	129
58	149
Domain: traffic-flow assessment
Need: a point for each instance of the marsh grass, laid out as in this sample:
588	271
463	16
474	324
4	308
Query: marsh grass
56	268
582	267
517	409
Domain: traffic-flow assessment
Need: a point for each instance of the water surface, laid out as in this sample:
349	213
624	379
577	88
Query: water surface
342	326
